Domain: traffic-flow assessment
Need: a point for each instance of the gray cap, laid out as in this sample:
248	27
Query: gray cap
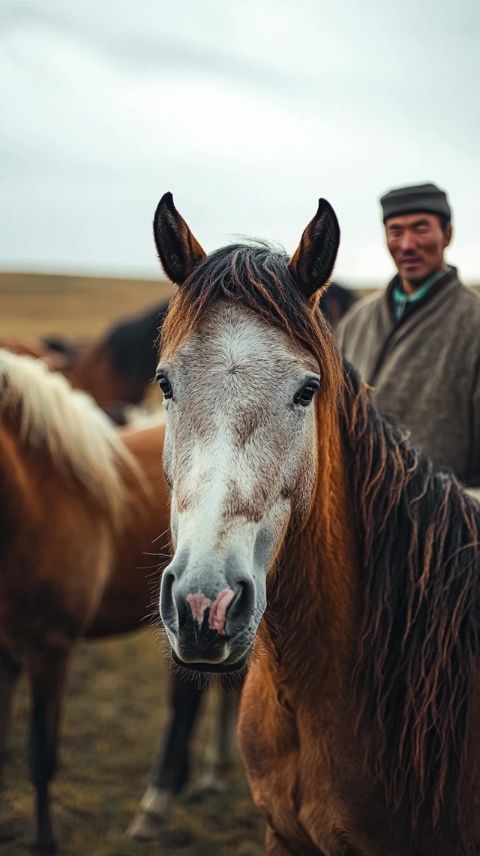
419	197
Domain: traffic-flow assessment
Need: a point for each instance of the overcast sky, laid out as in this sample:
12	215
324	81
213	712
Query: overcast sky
247	110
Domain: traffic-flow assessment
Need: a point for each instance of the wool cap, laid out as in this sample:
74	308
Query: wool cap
419	197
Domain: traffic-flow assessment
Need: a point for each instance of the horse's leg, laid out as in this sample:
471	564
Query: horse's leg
214	780
274	845
172	765
47	671
277	845
9	673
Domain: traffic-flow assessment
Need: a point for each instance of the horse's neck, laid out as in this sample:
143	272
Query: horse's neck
313	610
17	494
148	497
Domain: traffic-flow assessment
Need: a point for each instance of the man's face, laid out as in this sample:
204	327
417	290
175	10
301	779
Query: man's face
416	243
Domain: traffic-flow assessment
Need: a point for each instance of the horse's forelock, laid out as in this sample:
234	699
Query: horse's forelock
258	278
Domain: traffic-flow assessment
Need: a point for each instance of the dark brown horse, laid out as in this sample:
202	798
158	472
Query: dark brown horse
313	538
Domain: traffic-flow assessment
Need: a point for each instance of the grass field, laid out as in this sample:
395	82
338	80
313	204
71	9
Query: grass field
38	304
114	714
115	708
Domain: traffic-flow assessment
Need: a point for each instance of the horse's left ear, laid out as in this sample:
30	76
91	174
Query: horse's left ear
178	249
312	262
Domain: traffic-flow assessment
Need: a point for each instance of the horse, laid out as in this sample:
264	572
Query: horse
127	598
129	591
313	541
80	505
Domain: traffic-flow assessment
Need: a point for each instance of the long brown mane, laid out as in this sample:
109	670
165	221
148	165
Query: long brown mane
418	641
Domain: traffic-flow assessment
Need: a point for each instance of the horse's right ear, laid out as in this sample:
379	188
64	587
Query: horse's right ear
178	250
312	262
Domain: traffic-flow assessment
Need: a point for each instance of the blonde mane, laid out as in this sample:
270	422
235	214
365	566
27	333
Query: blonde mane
67	424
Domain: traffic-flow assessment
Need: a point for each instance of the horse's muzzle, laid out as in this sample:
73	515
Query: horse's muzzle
208	614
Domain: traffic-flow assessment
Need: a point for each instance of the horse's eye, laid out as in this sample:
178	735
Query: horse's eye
164	385
306	393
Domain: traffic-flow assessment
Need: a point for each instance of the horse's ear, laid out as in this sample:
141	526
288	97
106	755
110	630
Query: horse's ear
312	262
178	250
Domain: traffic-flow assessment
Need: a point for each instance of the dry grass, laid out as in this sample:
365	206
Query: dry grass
38	304
116	704
115	711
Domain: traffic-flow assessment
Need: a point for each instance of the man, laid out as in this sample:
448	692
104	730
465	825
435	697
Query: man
418	343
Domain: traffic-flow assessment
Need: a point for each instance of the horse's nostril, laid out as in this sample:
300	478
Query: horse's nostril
242	606
182	613
168	610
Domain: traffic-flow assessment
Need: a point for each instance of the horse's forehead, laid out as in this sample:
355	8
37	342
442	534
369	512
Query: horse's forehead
233	339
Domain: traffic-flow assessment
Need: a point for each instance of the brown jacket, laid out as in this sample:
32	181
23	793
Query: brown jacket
425	369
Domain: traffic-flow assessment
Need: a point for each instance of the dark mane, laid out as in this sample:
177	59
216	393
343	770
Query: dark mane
257	277
131	342
419	645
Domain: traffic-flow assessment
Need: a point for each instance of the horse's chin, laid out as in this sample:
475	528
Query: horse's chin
216	668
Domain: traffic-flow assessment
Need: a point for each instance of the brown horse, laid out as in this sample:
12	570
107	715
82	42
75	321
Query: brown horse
127	598
80	505
310	531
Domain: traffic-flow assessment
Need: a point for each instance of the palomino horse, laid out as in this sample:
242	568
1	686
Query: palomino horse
312	536
80	505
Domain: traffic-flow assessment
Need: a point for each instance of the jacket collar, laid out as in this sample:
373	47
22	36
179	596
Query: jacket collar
434	285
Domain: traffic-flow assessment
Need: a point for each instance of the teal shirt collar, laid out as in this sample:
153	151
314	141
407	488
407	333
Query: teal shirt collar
400	300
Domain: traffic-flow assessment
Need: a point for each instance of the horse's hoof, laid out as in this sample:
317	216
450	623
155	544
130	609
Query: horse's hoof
211	784
145	827
151	815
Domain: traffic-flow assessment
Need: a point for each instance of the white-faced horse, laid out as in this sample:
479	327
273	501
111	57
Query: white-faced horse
311	537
